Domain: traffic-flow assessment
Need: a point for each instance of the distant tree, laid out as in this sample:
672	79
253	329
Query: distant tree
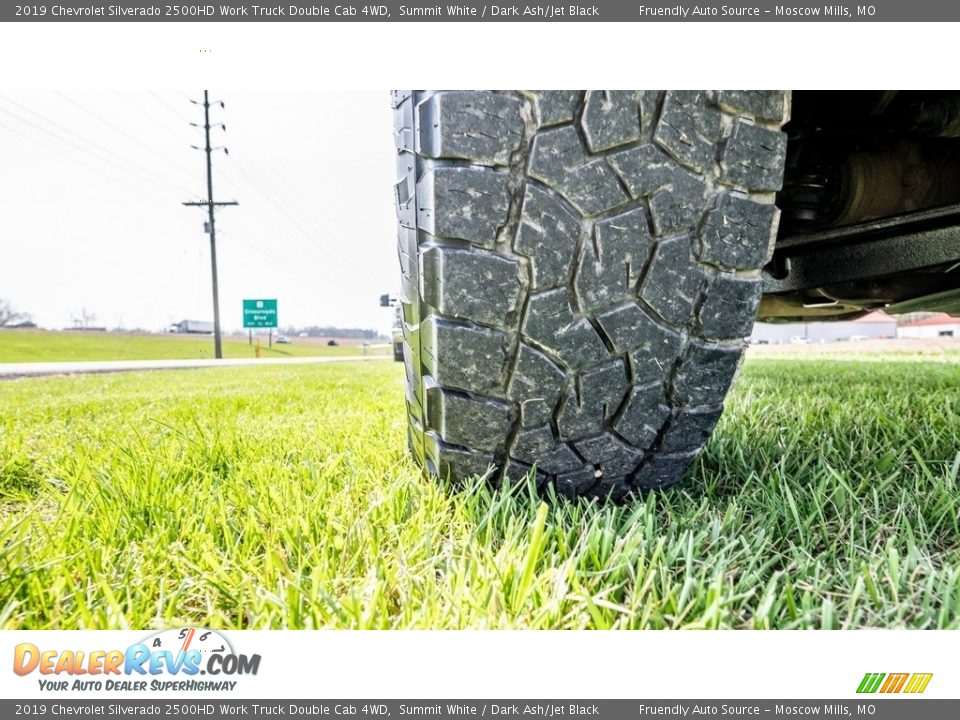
9	316
333	332
84	319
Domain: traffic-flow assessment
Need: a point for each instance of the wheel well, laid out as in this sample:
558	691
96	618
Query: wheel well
870	205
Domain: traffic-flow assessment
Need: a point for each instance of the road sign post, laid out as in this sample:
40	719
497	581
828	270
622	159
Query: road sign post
260	313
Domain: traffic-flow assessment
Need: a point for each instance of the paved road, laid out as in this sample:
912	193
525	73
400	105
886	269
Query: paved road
9	371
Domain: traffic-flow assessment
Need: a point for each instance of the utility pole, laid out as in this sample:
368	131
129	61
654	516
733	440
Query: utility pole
211	205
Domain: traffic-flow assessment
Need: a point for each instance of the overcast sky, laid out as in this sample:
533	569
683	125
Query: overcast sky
91	217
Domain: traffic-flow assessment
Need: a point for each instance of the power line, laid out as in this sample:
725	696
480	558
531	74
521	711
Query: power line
306	246
168	106
302	234
149	115
281	212
62	156
302	253
123	132
290	215
292	193
165	282
211	205
133	169
265	222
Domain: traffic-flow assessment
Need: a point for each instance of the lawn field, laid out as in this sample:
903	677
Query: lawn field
46	346
283	497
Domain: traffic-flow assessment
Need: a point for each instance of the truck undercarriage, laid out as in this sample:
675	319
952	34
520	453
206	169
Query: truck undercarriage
870	206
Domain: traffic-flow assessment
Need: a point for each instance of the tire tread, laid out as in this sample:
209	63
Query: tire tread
578	273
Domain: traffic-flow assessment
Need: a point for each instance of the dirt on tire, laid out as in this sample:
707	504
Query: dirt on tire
579	272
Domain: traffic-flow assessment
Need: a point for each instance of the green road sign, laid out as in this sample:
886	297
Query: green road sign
259	313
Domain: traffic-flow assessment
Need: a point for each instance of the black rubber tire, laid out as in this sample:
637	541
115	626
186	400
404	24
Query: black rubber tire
579	272
398	352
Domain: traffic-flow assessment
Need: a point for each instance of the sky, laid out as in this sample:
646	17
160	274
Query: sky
91	216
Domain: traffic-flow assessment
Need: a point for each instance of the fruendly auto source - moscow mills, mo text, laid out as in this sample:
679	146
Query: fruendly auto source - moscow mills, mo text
786	11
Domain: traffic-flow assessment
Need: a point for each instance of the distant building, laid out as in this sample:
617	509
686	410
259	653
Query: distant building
876	324
940	325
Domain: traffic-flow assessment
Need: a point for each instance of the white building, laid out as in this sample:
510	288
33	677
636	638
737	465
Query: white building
940	325
876	324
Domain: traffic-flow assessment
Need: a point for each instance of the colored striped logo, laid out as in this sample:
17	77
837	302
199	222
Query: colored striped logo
894	682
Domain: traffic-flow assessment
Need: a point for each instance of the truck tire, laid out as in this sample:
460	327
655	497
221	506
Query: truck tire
579	270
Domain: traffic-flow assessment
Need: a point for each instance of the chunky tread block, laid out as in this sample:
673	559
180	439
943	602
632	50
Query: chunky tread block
538	446
516	473
761	104
674	281
652	348
675	195
535	384
754	157
592	401
679	207
729	307
689	129
661	470
643	169
548	235
559	160
576	483
578	271
484	128
468	421
610	118
459	464
463	203
481	355
612	455
643	414
610	267
689	428
471	284
550	323
556	106
705	373
739	233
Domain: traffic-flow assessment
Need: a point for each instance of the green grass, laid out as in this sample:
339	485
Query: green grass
44	346
283	497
